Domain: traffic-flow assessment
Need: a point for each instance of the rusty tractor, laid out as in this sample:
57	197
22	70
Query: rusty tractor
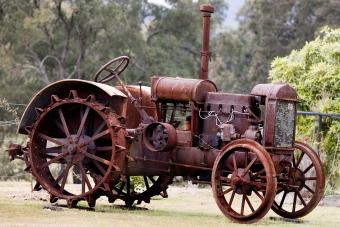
108	138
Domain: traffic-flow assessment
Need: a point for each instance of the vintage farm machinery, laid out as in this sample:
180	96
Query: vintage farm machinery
104	136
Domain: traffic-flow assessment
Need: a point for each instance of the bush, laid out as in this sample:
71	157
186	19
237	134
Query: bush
314	71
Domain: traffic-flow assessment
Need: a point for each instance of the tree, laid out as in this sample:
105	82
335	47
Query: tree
314	71
270	28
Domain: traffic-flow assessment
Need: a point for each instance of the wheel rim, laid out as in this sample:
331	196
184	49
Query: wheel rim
243	181
80	135
304	187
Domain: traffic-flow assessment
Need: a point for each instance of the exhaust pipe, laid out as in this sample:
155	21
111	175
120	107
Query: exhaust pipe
207	10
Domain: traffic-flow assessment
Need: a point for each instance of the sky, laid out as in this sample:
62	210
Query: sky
229	22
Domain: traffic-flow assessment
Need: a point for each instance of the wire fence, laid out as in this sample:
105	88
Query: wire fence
8	123
319	121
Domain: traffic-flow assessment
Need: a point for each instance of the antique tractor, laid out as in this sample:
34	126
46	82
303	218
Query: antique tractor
106	138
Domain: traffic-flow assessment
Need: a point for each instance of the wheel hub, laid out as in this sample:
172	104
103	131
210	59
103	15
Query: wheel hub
296	179
240	182
77	147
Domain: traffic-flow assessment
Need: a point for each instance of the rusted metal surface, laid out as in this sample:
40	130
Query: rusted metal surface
160	137
104	93
180	89
206	10
105	137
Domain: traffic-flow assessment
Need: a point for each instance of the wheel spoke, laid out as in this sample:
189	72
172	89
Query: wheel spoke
231	198
259	172
83	120
46	137
299	160
99	159
100	128
99	167
310	178
228	190
106	148
65	175
146	182
246	158
245	171
63	121
301	199
249	203
294	162
128	185
309	189
59	125
225	179
242	205
84	176
308	168
53	150
119	65
152	180
109	70
234	163
258	194
82	184
101	134
283	198
121	187
55	159
294	202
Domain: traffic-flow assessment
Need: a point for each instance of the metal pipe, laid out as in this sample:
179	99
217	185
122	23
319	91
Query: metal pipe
207	10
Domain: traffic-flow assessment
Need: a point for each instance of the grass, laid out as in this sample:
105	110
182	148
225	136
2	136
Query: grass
184	207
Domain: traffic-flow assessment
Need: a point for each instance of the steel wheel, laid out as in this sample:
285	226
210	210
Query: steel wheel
78	136
243	181
304	184
147	187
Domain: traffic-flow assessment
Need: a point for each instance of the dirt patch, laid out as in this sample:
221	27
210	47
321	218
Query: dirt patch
41	195
331	200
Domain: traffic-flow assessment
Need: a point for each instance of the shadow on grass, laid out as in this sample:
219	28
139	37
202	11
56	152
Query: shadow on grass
119	209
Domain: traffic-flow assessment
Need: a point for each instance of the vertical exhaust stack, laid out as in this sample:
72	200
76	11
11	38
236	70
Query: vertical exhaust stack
207	10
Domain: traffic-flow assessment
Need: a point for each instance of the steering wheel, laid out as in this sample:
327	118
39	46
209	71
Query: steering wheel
107	73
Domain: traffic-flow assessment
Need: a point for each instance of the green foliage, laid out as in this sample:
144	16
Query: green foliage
314	71
269	28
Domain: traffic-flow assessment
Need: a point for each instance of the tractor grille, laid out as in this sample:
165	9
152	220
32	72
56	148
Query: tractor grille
284	124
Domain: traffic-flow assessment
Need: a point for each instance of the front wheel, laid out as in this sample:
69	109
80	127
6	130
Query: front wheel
243	181
303	184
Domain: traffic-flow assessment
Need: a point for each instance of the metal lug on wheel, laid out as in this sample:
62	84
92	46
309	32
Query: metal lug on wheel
91	201
37	187
129	202
38	111
72	203
54	99
28	129
53	199
119	148
164	194
73	94
91	98
28	168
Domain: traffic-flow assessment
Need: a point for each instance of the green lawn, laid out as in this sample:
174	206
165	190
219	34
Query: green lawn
184	207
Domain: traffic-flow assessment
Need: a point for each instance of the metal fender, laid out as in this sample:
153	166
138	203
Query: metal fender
104	93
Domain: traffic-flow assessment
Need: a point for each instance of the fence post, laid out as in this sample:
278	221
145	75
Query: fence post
319	133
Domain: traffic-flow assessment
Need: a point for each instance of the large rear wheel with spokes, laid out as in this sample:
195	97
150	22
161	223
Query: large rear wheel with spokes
76	138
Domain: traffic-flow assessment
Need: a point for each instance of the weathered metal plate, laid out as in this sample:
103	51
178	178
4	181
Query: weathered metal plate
284	124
